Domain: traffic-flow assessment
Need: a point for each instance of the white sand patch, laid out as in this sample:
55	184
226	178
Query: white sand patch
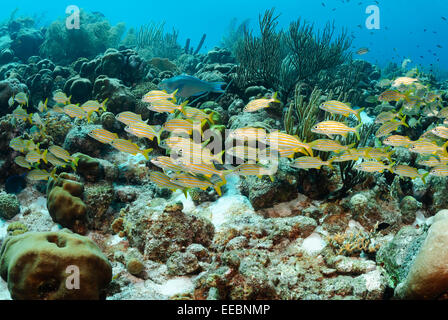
187	203
421	220
227	206
354	226
176	285
3	228
365	118
4	293
314	244
114	240
39	205
373	280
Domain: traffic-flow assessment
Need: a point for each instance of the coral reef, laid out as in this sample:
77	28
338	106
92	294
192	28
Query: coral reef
336	231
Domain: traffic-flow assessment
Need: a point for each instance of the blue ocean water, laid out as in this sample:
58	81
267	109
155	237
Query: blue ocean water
408	28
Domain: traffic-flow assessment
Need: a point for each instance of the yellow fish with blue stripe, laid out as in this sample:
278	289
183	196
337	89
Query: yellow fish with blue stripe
165	106
398	141
63	154
311	163
143	130
21	161
21	114
61	97
441	132
189	181
197	114
428	147
41	175
75	111
18	144
158	95
409	172
283	141
182	125
248	134
334	128
207	170
166	163
36	156
128	118
259	104
439	171
374	166
163	181
93	106
103	135
42	106
128	146
56	161
390	127
258	170
21	98
327	145
341	108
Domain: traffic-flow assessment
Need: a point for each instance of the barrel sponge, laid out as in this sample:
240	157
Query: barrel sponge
34	264
428	274
65	204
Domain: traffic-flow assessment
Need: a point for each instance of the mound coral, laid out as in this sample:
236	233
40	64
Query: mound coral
120	97
125	65
65	204
38	266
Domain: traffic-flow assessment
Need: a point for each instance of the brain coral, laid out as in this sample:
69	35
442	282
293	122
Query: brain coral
9	206
40	266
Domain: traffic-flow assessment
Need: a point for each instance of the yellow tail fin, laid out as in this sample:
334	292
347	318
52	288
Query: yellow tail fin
44	156
146	152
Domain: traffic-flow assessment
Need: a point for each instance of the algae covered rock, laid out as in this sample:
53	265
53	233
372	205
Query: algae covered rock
120	97
9	206
78	140
98	198
80	89
264	193
54	266
182	263
65	204
159	234
396	256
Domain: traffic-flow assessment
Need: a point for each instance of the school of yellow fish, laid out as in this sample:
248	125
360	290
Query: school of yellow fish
55	156
193	164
